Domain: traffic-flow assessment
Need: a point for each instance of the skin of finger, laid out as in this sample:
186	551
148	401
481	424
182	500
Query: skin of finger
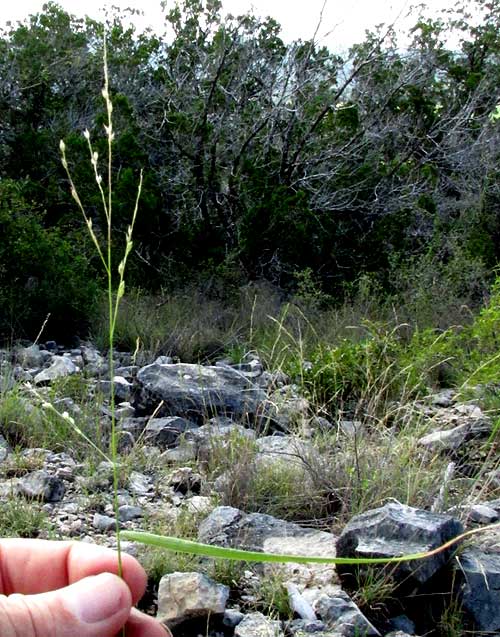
36	566
42	615
141	625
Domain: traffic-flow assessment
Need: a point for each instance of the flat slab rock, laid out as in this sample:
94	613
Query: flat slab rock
198	390
230	527
396	529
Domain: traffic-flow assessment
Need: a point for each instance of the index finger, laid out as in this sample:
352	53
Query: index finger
38	566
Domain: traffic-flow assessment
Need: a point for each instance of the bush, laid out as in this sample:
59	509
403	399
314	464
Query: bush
42	272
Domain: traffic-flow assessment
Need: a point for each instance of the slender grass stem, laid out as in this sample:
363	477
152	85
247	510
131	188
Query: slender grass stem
106	256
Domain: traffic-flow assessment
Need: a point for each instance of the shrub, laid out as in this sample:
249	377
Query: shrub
42	272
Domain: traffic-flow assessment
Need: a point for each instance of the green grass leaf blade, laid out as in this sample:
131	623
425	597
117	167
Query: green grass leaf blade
207	550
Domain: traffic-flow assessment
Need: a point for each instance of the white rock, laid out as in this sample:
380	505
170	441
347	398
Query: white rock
60	367
183	596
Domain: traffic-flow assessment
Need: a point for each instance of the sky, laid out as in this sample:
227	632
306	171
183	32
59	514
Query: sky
343	22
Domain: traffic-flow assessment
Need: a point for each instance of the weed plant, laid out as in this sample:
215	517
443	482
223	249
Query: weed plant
104	248
19	518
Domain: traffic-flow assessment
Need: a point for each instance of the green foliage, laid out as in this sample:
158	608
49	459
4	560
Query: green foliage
28	421
42	272
271	597
20	518
483	344
352	368
261	159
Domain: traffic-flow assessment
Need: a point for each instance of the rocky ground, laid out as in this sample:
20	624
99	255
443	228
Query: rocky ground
236	456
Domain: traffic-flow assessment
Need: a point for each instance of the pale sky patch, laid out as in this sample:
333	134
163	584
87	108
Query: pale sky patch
342	22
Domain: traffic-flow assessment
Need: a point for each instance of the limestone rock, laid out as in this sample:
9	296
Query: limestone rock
340	614
480	590
217	433
103	523
227	526
185	480
40	485
127	512
483	514
257	625
32	356
394	530
60	367
184	596
165	432
94	363
196	390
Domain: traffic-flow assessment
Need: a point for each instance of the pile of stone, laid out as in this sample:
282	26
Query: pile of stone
177	412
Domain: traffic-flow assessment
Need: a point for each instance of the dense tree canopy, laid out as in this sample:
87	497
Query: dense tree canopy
260	157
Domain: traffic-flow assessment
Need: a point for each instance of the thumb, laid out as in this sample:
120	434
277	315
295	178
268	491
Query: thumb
92	607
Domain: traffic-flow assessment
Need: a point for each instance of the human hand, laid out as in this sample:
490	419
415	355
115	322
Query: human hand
70	589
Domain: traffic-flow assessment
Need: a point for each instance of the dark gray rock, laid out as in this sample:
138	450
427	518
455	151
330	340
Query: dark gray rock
185	452
403	624
165	432
227	526
483	514
67	404
164	360
287	451
103	523
133	426
480	589
251	370
446	440
139	483
340	614
232	617
124	410
94	363
32	356
493	504
129	371
196	390
40	485
394	530
185	480
121	387
216	434
4	448
444	398
129	512
320	424
305	627
284	410
19	374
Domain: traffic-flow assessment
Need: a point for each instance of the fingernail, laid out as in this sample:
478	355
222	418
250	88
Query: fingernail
95	599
